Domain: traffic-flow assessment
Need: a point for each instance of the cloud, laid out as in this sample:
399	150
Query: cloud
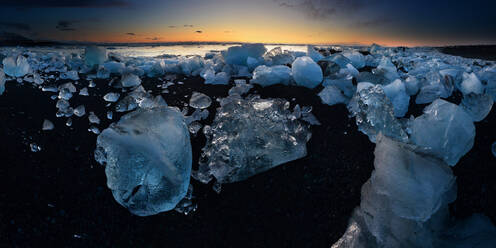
66	25
326	9
15	25
64	3
188	26
153	38
198	31
172	26
132	34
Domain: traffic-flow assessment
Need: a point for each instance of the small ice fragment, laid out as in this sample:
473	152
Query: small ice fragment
306	72
47	125
199	101
331	95
34	147
80	110
93	118
49	89
84	92
111	97
73	75
91	84
94	130
109	115
194	127
68	122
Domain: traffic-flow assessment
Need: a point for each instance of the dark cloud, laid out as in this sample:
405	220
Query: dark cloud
198	31
153	38
66	25
132	34
188	26
172	26
64	3
15	25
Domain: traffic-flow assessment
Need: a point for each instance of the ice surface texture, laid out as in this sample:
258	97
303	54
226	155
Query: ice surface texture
266	76
239	55
306	72
249	136
446	129
147	157
2	81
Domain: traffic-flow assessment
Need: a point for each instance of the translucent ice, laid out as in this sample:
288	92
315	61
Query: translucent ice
95	55
16	67
238	55
375	114
80	110
241	87
357	59
471	84
314	54
199	101
396	92
111	97
477	106
130	80
250	136
93	118
72	75
331	95
266	76
306	72
446	129
84	92
147	157
47	125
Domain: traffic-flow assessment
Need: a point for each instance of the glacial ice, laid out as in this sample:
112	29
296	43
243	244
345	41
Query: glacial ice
249	136
111	97
16	67
314	54
72	75
266	76
277	57
147	157
374	113
477	106
199	101
84	92
332	95
356	58
241	87
396	92
95	56
446	129
471	84
80	111
93	118
47	125
306	72
238	55
130	80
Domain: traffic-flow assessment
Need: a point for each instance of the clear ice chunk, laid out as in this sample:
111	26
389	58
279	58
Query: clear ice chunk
331	95
374	113
238	55
111	97
250	136
47	125
16	67
147	157
396	92
199	101
130	80
93	118
477	106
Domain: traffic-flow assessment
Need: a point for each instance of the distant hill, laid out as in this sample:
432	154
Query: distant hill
13	39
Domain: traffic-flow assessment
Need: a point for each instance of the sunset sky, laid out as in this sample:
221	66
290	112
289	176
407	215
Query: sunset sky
384	22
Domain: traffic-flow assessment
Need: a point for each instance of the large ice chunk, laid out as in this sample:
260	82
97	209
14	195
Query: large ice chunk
314	54
446	129
95	55
471	84
147	157
266	76
250	136
306	72
332	95
357	59
238	55
16	67
130	80
375	114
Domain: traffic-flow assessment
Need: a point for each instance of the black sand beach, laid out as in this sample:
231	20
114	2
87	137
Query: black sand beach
58	196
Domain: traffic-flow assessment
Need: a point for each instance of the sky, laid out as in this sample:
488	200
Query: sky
385	22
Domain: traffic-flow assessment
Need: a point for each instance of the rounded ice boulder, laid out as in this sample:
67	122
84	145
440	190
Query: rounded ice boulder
306	72
147	157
